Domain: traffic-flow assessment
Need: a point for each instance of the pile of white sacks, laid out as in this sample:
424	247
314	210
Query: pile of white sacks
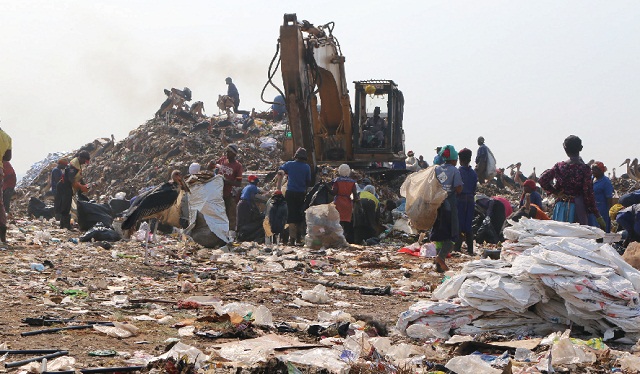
555	274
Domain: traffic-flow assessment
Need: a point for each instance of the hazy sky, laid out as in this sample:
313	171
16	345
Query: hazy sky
524	74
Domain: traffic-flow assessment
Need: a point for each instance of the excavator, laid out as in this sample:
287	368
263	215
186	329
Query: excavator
316	94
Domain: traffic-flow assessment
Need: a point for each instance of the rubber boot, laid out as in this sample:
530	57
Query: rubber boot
293	233
65	221
300	233
3	234
470	246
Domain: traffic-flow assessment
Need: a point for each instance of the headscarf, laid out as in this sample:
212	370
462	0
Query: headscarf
530	183
370	188
600	166
448	153
194	168
344	170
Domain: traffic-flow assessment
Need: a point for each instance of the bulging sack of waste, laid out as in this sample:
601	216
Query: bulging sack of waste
91	213
424	195
323	227
100	233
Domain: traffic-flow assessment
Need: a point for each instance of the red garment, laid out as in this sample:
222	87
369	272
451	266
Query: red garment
9	176
232	171
507	205
540	214
343	188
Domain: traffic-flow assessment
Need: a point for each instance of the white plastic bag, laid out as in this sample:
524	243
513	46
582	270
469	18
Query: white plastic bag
323	227
424	195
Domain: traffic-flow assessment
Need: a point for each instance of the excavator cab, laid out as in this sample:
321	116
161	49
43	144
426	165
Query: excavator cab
377	121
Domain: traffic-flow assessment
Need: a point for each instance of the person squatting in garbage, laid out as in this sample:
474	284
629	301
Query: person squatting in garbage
70	184
365	216
529	210
446	228
6	152
56	174
602	193
570	181
343	188
248	217
465	200
229	167
629	219
298	179
529	187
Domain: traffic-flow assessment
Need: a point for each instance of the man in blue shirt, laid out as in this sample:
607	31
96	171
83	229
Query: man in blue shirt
299	178
482	160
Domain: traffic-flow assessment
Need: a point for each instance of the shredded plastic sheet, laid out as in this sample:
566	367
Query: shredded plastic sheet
567	280
424	195
206	198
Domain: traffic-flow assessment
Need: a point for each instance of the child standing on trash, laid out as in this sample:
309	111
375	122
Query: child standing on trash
446	228
466	204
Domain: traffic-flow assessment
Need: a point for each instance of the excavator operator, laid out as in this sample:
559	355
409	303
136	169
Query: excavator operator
374	129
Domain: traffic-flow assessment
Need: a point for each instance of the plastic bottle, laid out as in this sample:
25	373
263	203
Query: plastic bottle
37	267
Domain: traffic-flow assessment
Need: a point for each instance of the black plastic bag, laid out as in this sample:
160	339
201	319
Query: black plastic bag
487	233
91	213
100	233
37	208
118	206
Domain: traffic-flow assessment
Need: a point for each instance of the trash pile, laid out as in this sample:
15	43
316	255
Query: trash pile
147	156
555	277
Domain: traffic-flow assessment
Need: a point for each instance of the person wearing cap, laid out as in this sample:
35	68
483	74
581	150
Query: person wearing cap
465	200
70	184
298	179
437	159
6	152
446	228
529	187
570	181
411	162
603	194
56	174
231	170
249	220
232	92
482	161
343	188
374	129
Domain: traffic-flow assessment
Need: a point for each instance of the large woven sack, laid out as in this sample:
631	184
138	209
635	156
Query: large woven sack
424	195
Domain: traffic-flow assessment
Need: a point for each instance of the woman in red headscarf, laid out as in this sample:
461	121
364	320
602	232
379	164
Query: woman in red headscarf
603	192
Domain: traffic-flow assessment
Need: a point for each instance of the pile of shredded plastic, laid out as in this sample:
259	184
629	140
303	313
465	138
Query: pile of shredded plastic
564	274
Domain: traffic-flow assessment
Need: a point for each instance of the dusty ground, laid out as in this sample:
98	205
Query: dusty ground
154	289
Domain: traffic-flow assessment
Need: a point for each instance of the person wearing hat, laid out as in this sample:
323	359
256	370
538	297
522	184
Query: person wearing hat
465	200
446	228
56	174
249	220
70	184
603	194
231	170
570	181
343	188
5	151
298	179
232	92
411	162
529	187
365	220
437	159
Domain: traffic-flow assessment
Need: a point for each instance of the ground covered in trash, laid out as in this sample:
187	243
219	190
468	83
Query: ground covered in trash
86	282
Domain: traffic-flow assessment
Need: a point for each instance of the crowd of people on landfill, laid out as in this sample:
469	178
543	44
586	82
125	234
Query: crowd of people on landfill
582	193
